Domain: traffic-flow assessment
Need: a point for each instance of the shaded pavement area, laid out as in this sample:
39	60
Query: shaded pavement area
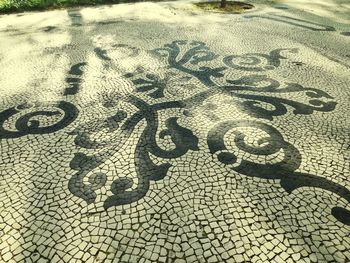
156	132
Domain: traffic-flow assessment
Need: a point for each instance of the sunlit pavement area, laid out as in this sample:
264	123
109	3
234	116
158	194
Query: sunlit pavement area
155	132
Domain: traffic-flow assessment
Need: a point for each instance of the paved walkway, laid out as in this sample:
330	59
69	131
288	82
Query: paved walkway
154	132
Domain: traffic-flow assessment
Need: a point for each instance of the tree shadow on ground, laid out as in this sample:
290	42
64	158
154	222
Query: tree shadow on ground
18	6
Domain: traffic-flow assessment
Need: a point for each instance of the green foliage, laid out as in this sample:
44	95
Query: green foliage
8	6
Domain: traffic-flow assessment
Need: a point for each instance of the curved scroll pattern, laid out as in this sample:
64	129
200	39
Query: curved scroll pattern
189	59
187	62
257	61
251	102
124	189
146	170
27	123
283	170
198	53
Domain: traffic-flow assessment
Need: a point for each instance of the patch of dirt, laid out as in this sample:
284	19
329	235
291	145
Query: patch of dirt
233	7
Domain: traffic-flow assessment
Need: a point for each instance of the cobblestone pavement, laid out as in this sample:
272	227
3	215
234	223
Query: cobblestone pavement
158	133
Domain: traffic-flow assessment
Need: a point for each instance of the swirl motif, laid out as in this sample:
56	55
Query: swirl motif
123	188
191	62
189	58
27	124
251	102
257	61
284	170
